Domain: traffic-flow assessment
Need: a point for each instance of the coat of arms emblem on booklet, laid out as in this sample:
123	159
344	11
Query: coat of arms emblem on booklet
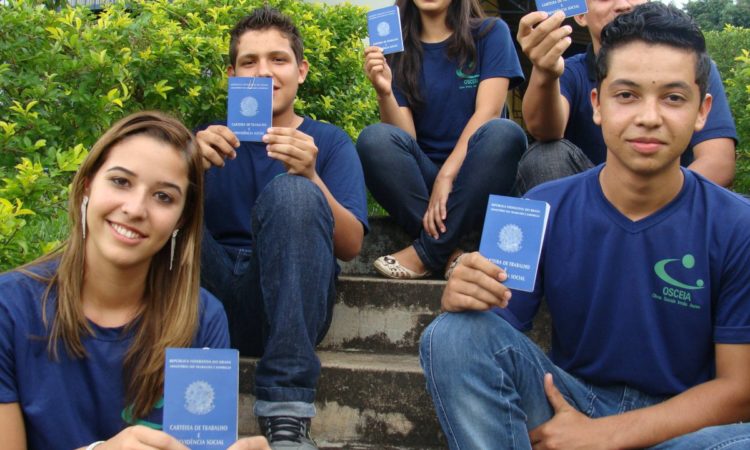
512	238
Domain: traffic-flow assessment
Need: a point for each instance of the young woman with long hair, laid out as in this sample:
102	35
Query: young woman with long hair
83	330
442	147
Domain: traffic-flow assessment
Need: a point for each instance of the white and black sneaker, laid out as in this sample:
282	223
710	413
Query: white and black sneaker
287	433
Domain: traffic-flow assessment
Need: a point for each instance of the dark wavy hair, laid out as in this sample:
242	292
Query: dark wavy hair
464	18
655	23
264	18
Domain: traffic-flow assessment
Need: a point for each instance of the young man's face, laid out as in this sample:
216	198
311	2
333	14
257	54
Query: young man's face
268	53
648	107
602	12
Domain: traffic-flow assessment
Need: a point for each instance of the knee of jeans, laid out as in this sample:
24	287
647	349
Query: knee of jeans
372	137
292	196
542	154
502	134
456	337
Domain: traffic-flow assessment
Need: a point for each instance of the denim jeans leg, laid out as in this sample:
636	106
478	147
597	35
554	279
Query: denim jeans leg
486	380
398	174
293	237
228	274
490	167
723	437
547	161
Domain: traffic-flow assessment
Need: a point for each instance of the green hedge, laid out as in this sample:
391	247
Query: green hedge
66	75
729	48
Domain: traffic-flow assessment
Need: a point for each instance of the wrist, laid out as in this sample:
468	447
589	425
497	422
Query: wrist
93	445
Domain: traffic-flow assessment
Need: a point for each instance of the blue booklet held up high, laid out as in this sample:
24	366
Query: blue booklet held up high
384	28
201	388
569	7
512	238
250	107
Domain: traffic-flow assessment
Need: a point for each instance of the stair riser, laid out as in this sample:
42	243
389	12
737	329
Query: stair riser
381	408
377	315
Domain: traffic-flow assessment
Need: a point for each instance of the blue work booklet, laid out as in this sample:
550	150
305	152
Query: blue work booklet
512	238
569	7
384	28
201	388
250	107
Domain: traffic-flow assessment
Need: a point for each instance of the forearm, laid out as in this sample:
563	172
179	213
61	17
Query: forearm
393	114
348	232
712	403
545	110
715	160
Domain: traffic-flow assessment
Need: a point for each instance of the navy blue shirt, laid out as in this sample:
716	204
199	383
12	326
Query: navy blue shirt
450	95
232	190
72	402
641	303
579	78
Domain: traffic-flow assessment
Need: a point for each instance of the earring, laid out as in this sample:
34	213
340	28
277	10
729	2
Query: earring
171	250
84	206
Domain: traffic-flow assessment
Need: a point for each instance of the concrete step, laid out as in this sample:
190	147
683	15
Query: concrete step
374	314
376	400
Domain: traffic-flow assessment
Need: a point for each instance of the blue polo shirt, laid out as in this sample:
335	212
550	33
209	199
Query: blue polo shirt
449	92
73	402
232	190
641	303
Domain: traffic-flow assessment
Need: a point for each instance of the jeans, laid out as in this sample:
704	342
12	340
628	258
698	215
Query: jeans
486	382
279	295
547	161
400	177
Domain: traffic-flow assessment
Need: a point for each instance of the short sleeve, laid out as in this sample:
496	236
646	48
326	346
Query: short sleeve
497	53
8	382
342	174
732	318
719	123
214	328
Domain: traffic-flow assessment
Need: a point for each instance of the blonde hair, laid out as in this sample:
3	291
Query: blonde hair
169	315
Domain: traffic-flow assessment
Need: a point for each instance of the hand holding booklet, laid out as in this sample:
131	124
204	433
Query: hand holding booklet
512	238
201	389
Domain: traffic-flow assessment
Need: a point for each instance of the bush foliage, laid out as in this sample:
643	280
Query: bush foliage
729	48
67	75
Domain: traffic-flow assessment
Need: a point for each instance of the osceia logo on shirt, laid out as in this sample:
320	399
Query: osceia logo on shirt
675	287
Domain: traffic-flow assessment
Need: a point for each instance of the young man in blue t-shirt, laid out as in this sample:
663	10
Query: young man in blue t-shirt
270	244
644	271
557	111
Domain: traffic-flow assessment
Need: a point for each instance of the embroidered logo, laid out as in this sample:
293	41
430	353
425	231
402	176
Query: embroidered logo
469	81
677	291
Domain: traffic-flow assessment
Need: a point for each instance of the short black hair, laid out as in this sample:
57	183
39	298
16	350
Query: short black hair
658	24
264	18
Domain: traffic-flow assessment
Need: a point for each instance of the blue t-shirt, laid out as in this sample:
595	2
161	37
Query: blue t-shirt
641	303
579	78
232	190
73	402
450	95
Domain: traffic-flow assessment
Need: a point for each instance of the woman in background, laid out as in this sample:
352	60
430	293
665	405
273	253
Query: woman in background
442	147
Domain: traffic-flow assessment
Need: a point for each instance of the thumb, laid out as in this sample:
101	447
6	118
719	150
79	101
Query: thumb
556	400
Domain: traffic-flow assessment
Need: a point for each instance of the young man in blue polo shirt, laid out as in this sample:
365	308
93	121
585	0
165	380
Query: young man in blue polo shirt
644	270
278	214
557	111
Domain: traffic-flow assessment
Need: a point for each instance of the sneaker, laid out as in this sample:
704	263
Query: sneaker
287	433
